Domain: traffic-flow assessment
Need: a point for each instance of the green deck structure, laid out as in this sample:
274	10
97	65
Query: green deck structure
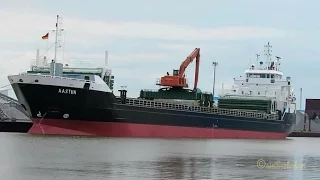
179	94
246	104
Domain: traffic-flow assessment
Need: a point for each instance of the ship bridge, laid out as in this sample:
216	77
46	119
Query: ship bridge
264	79
78	73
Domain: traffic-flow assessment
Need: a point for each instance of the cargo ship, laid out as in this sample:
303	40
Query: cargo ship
70	101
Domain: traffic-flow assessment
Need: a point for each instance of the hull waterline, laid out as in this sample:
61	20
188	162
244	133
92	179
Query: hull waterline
116	129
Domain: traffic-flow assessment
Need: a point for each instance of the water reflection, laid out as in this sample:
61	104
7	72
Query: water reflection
183	168
237	167
34	157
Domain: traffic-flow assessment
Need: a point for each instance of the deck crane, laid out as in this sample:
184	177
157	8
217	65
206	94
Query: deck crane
177	79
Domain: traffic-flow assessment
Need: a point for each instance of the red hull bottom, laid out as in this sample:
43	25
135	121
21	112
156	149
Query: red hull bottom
113	129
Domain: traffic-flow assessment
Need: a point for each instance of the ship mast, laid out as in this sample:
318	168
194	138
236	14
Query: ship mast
54	61
56	41
268	53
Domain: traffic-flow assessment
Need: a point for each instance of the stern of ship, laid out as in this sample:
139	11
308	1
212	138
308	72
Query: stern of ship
289	122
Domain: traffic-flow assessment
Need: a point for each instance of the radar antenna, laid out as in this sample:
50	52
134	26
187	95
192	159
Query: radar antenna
258	55
278	58
278	62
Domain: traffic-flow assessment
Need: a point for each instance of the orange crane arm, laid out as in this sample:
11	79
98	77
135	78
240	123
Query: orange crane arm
187	61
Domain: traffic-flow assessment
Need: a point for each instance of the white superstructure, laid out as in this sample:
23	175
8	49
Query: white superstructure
264	81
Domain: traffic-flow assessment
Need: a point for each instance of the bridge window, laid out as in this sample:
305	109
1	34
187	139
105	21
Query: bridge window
73	76
254	75
258	75
86	77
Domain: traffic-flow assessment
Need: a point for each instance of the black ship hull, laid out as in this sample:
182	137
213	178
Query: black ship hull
74	110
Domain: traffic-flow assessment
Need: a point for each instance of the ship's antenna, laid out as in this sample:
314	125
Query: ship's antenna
64	43
257	58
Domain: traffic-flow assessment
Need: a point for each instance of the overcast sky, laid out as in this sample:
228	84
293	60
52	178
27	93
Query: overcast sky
145	38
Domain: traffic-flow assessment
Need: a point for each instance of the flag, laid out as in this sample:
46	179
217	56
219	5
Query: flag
46	36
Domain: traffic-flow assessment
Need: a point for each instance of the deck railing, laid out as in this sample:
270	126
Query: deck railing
57	77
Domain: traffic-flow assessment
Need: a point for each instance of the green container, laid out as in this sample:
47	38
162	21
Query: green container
183	94
245	104
244	101
169	95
